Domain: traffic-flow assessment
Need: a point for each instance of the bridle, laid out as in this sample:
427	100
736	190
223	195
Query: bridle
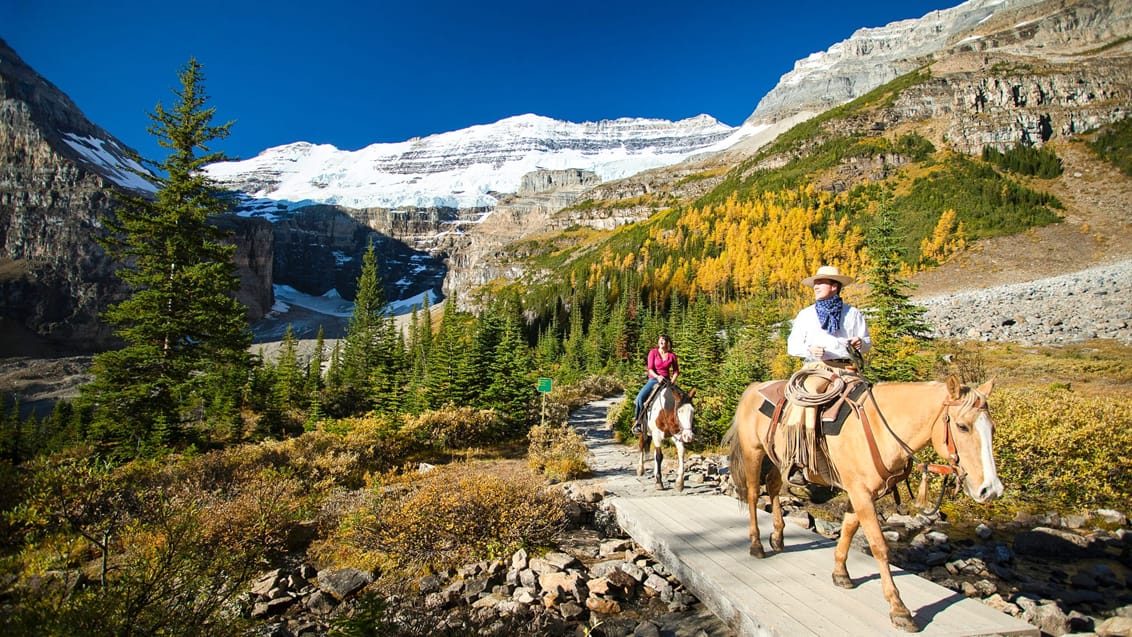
973	400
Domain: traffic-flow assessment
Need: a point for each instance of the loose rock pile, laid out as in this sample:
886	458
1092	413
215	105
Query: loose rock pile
1059	310
593	582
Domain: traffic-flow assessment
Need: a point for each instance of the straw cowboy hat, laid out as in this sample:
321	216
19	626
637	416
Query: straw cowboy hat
828	272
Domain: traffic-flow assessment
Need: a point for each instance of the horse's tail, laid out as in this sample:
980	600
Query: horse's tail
735	459
746	409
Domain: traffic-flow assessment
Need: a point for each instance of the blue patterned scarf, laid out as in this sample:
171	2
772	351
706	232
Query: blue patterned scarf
829	313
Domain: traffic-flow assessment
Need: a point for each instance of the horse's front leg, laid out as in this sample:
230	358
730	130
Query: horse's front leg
849	525
679	464
866	516
658	458
642	445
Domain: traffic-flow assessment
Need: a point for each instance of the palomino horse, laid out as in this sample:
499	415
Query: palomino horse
669	415
902	418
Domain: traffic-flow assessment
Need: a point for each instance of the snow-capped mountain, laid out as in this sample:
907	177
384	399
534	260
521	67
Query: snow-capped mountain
469	168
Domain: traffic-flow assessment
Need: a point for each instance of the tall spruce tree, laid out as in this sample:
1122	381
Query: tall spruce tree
186	335
897	325
370	356
888	304
446	352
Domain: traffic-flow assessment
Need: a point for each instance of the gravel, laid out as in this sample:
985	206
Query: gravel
1069	308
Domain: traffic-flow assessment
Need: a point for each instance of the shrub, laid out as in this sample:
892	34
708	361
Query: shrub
1059	448
557	451
452	515
578	394
454	428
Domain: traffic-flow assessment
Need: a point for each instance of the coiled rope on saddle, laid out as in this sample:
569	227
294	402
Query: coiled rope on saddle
797	393
802	445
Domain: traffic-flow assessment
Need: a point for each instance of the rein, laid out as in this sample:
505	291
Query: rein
952	469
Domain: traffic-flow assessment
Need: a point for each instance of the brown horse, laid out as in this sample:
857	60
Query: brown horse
669	415
903	418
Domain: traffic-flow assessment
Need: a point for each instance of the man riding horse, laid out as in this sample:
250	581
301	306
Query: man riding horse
827	335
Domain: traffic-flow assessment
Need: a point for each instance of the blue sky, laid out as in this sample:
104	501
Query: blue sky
355	73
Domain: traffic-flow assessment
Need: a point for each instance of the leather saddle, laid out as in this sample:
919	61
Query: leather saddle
814	460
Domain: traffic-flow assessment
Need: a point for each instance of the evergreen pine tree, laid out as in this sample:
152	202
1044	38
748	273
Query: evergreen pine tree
186	335
598	345
897	325
363	332
548	349
314	382
573	348
288	373
420	339
889	305
512	376
371	362
447	348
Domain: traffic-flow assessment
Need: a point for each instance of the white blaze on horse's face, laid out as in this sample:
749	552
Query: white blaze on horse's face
991	486
684	414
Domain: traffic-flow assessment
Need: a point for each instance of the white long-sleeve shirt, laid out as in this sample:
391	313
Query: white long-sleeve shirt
807	332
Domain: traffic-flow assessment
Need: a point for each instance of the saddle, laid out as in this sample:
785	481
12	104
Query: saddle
802	447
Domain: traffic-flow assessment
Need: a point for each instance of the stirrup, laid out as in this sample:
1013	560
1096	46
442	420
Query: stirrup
796	478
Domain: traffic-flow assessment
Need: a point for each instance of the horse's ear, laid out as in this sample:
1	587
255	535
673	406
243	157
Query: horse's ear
954	387
691	393
986	388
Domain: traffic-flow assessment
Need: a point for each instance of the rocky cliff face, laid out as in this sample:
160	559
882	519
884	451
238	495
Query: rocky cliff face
869	58
55	278
320	248
58	172
478	255
874	56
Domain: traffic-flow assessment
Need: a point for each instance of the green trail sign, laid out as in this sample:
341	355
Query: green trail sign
545	385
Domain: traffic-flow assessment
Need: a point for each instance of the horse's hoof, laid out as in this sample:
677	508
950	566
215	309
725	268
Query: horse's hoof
904	622
660	486
776	544
679	486
844	582
757	551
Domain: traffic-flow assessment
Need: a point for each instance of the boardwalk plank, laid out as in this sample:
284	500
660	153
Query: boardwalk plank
703	541
786	596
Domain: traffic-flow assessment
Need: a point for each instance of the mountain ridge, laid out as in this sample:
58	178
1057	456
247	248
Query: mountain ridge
468	168
995	94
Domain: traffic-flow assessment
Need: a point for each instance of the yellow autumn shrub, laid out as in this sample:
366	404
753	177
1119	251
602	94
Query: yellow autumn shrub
445	517
454	427
557	451
1058	448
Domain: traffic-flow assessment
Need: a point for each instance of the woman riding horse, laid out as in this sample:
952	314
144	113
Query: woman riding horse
662	366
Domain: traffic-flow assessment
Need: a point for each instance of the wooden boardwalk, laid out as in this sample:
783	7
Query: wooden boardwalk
702	540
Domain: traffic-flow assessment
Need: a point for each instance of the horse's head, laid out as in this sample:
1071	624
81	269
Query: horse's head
964	439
